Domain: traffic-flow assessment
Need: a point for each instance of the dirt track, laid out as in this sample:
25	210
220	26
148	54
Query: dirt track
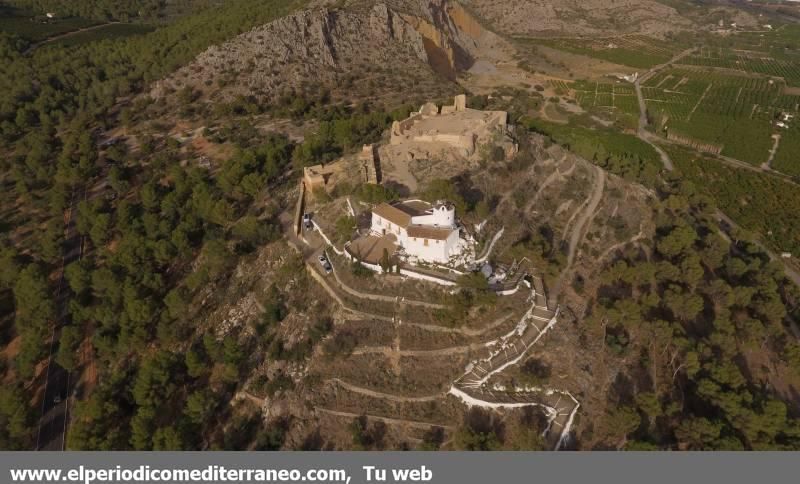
389	420
579	229
385	396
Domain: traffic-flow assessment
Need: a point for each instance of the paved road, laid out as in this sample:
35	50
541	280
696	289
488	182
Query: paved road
55	406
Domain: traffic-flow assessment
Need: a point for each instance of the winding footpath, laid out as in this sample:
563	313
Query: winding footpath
580	228
388	420
382	395
474	388
556	175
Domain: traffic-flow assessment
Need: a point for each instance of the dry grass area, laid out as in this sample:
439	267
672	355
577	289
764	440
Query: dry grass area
418	338
369	332
577	17
559	64
401	378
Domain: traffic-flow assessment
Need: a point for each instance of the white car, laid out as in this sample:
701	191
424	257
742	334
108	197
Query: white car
325	263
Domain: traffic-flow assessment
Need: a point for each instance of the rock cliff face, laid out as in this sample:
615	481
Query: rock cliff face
449	34
464	21
343	50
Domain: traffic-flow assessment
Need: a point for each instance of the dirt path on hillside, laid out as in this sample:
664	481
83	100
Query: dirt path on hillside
386	396
578	232
622	244
389	351
380	297
388	420
463	331
579	229
556	175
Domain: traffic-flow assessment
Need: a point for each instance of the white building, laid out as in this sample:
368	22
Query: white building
424	231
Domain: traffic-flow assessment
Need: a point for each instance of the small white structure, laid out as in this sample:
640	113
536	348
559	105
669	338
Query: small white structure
424	231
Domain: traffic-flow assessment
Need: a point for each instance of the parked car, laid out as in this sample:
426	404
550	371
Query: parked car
307	221
325	263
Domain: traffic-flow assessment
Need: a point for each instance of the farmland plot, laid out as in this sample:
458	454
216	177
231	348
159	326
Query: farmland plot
734	112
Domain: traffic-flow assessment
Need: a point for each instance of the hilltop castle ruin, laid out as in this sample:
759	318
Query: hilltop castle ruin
431	131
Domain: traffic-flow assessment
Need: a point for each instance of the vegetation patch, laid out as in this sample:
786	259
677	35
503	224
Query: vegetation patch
622	154
759	202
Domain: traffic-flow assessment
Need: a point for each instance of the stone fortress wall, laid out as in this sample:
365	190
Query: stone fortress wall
453	126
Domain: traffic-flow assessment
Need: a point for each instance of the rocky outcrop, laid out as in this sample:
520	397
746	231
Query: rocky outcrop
449	35
326	37
464	21
386	47
323	45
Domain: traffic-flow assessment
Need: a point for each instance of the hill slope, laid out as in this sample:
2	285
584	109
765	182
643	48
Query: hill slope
578	17
385	50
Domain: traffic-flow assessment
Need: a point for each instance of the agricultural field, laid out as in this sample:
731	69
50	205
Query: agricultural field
36	28
753	63
730	113
637	51
771	53
614	101
110	31
787	157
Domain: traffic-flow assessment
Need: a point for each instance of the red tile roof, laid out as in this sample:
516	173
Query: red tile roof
393	214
